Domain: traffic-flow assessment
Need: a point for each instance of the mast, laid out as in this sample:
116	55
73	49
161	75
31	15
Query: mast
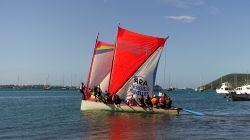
75	81
87	84
113	57
71	80
247	77
63	80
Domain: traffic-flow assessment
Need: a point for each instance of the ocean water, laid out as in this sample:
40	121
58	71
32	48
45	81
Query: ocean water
55	114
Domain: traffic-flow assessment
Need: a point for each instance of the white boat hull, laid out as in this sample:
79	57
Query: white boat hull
92	105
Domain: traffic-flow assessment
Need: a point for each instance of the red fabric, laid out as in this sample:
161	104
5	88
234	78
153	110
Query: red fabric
131	51
162	100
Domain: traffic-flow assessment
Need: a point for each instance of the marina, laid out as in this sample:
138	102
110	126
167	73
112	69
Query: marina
56	114
100	70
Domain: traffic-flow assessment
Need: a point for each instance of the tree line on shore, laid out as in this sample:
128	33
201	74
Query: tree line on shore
236	79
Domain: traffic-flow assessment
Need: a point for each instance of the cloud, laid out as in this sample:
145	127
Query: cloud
213	10
182	18
184	3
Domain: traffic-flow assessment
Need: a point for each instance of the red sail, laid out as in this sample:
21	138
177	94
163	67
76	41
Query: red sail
131	51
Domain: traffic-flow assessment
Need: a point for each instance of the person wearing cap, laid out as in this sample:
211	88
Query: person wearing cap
154	101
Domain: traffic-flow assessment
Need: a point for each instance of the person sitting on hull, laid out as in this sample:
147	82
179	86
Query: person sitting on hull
141	101
107	97
131	101
148	101
95	92
99	90
168	102
154	101
162	101
116	99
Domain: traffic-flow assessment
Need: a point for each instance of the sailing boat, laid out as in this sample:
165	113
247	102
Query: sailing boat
18	87
46	86
127	68
201	89
63	87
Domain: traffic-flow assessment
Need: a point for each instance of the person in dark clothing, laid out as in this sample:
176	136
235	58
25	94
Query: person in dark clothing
116	99
168	102
141	101
99	91
148	101
82	89
108	97
95	92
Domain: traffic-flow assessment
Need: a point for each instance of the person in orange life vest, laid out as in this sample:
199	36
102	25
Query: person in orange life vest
141	101
131	101
168	102
148	101
162	101
82	88
155	101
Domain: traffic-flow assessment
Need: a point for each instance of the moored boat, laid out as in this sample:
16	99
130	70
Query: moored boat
245	89
226	89
157	88
240	97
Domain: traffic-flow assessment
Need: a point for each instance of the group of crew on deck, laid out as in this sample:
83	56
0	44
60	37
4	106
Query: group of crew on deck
106	97
163	102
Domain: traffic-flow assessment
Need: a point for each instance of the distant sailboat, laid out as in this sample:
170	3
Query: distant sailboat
63	87
46	85
201	89
71	86
18	87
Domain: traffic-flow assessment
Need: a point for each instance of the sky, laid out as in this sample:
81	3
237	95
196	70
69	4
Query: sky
55	38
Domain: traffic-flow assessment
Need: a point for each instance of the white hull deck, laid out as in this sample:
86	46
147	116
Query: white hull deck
92	105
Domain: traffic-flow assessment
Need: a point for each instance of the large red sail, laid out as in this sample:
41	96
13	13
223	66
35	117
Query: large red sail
131	51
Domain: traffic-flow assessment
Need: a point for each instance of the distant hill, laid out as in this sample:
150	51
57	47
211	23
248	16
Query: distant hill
236	79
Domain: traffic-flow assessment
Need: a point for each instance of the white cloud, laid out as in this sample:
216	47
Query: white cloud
213	10
182	18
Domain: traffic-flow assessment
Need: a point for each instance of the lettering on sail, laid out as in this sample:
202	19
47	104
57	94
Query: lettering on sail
132	47
139	86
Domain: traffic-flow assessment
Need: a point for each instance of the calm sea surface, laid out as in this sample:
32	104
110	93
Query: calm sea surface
55	114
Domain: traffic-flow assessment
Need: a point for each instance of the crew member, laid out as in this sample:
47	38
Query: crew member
154	101
82	89
141	101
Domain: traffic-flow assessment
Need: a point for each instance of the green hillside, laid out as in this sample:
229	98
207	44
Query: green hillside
235	79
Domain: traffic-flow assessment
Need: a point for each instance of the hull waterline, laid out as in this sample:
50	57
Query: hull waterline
240	97
92	105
